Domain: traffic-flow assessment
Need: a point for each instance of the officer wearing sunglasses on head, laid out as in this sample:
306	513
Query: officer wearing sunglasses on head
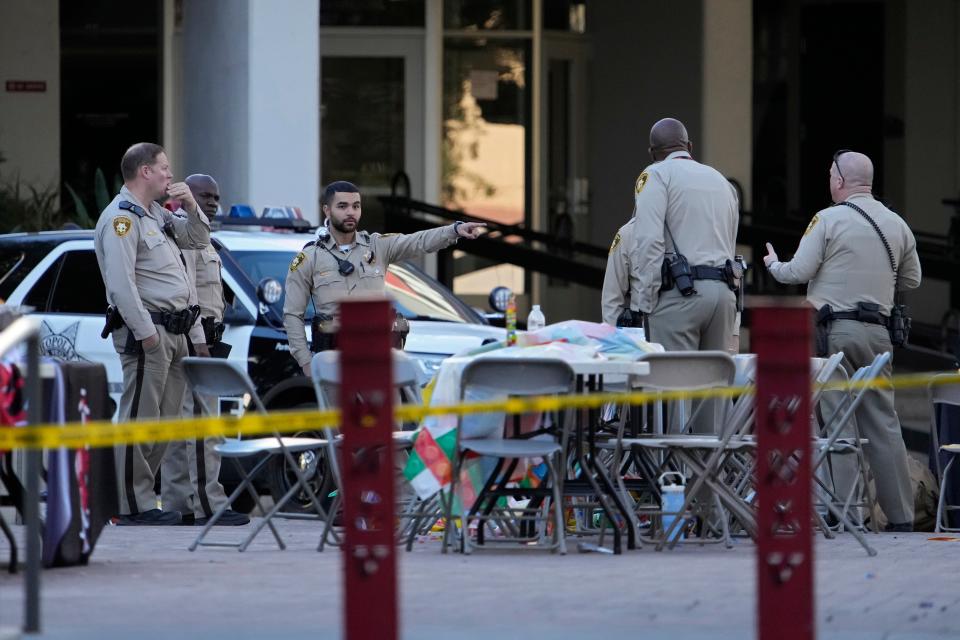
854	256
344	261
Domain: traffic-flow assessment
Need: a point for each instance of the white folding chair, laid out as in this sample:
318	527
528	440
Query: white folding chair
943	395
325	376
509	377
217	377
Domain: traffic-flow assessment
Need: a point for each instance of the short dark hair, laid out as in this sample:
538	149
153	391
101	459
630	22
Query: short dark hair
140	154
339	186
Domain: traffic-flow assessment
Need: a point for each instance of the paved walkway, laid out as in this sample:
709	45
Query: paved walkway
142	583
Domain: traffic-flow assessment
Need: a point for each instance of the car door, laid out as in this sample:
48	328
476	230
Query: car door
67	293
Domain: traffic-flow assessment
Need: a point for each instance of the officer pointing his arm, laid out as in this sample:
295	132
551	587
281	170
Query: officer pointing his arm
855	255
138	244
345	261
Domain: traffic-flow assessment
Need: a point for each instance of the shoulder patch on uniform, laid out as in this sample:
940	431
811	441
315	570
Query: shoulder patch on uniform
641	182
616	241
122	225
812	224
297	261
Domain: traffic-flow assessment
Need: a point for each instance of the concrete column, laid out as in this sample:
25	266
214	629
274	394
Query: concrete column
251	99
727	128
30	113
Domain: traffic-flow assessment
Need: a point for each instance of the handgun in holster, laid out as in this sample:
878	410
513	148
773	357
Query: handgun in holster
740	289
113	320
322	335
676	272
823	320
398	335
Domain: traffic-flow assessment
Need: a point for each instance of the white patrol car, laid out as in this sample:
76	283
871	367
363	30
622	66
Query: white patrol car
56	274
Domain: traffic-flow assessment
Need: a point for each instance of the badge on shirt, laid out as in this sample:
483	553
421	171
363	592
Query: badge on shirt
812	224
616	241
641	181
297	261
121	225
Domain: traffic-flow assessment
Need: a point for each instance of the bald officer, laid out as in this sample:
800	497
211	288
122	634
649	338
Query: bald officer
851	280
138	243
617	284
683	208
190	475
344	261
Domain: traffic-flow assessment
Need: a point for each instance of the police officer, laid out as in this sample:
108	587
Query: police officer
189	478
344	261
138	243
617	284
686	217
851	283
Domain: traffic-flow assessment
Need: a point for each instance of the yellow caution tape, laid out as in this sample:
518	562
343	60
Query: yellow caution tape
106	433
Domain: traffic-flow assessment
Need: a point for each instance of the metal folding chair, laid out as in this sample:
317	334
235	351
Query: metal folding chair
218	377
325	376
943	395
509	377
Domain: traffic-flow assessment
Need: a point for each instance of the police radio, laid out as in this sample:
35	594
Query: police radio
676	271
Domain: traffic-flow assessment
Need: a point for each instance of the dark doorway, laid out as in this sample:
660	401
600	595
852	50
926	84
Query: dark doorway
111	79
819	70
841	91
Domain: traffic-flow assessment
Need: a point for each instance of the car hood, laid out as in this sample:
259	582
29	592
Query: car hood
448	338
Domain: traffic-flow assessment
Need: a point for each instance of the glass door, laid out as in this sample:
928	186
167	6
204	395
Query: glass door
371	113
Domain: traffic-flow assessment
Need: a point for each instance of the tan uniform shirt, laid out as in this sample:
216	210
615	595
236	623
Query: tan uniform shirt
314	273
141	265
844	260
617	284
700	207
203	270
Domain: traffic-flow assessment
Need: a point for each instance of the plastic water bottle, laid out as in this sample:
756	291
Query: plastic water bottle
511	321
536	320
671	501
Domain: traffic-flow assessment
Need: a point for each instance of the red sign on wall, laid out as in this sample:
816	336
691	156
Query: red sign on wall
26	86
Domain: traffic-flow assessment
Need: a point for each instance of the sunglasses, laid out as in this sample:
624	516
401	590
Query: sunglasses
836	156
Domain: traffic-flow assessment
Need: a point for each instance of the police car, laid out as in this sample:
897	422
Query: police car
56	273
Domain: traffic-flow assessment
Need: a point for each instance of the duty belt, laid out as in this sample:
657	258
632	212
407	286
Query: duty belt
699	272
857	315
176	322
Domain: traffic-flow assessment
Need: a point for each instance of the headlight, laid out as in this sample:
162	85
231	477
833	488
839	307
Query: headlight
269	291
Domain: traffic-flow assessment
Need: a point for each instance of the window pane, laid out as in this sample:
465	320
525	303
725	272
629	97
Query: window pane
565	15
363	116
80	286
487	14
40	293
372	13
486	141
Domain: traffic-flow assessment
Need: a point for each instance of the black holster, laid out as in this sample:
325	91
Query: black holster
676	272
824	319
212	330
176	322
630	319
113	320
322	337
899	325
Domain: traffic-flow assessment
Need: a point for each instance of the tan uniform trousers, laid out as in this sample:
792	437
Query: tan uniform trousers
190	474
877	421
703	321
153	384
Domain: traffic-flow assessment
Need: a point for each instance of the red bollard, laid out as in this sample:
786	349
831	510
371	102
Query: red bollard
366	455
780	335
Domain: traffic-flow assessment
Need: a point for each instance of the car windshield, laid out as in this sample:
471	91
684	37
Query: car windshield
415	294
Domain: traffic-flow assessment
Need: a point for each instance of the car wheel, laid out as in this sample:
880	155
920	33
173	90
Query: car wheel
313	465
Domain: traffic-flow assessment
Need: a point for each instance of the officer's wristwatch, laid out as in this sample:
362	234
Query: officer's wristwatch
456	228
